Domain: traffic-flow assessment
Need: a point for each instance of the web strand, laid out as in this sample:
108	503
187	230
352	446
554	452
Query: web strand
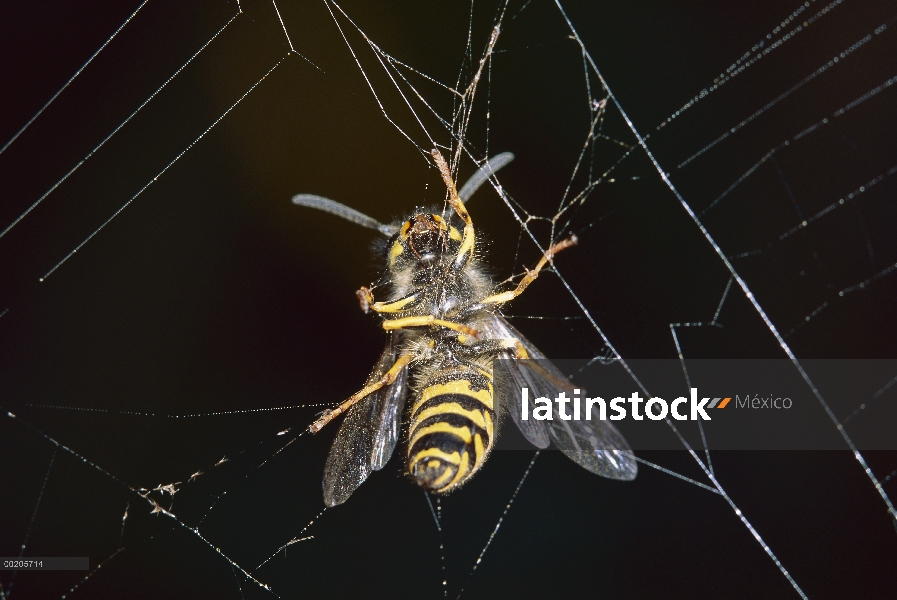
800	135
758	51
116	130
582	186
159	174
501	519
142	493
754	302
835	61
71	79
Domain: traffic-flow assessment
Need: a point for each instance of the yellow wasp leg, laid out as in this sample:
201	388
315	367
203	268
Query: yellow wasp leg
520	352
531	275
366	301
467	240
386	379
391	324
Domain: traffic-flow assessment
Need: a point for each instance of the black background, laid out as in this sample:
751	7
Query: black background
212	293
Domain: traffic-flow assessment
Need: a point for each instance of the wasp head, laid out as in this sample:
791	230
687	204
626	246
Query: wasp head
422	239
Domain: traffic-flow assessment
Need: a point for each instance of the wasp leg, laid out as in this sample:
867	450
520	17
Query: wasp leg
531	275
497	346
424	320
366	300
387	379
520	352
465	252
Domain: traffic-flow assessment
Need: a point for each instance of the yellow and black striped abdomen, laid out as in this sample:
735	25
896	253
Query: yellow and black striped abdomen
452	428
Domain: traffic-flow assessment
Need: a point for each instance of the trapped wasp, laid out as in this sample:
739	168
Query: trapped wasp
444	333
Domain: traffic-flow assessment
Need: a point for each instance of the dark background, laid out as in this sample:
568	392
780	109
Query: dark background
211	293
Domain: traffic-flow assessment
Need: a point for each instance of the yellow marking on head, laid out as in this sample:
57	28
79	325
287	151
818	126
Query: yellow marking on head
459	386
454	458
390	307
440	221
441	427
395	251
454	234
432	464
453	408
403	233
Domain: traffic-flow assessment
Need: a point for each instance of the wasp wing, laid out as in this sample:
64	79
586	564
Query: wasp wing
594	445
369	433
509	382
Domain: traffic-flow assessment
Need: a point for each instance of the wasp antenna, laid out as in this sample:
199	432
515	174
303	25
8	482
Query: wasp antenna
341	210
487	170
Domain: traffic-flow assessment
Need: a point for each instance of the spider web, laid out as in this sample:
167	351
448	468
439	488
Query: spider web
729	177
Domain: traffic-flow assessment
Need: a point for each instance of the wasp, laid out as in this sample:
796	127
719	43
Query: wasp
445	331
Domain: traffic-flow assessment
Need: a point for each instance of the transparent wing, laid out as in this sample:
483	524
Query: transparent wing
594	445
368	434
510	380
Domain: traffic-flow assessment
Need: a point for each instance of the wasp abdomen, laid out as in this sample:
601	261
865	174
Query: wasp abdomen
452	428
